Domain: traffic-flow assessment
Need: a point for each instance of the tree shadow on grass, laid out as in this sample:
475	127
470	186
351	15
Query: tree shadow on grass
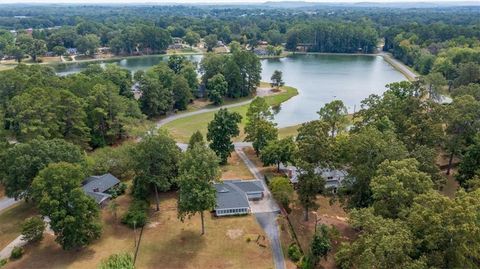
48	254
178	252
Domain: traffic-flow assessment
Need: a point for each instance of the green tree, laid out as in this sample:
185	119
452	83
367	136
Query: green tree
443	227
259	127
321	244
189	72
74	217
108	113
210	42
32	229
470	164
382	243
221	129
395	185
277	79
48	113
192	38
156	159
176	62
364	151
118	261
435	83
279	151
315	146
156	99
335	114
196	139
309	185
88	44
282	190
22	162
198	170
34	48
463	122
217	88
182	94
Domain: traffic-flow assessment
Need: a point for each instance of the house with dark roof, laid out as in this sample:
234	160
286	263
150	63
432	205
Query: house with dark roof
98	186
233	196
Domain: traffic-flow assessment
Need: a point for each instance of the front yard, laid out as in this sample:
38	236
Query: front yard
166	243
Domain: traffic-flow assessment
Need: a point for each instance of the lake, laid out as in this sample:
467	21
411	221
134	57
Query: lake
319	78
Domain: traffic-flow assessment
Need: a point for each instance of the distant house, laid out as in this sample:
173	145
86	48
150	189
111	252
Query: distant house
98	186
233	196
72	51
333	177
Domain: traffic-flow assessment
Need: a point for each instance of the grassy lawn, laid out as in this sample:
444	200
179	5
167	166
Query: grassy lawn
11	220
182	129
288	131
235	169
166	243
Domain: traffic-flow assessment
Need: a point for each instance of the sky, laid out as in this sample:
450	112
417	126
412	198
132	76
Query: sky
219	1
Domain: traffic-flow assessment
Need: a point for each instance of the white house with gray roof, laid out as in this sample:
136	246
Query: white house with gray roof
97	186
233	196
333	177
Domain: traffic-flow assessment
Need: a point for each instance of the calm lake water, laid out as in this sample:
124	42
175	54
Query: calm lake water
318	78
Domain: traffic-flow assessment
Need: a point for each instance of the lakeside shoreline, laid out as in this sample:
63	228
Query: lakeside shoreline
409	74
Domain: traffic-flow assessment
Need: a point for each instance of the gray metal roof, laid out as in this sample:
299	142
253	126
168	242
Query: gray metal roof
230	196
249	185
99	183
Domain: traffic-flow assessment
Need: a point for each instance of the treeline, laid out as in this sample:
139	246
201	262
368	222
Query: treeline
91	109
333	37
325	29
448	54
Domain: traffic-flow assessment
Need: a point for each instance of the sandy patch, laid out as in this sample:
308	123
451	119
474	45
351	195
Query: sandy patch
234	233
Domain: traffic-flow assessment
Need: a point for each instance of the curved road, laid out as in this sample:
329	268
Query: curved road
173	117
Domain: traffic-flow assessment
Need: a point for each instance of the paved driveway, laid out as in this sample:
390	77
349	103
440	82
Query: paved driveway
268	222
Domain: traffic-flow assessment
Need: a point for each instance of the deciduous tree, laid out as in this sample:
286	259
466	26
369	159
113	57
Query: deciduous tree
198	170
74	217
221	129
156	159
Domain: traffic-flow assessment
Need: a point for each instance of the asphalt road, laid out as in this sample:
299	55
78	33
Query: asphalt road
6	203
173	117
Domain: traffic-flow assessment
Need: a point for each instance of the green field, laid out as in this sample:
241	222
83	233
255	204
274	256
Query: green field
182	129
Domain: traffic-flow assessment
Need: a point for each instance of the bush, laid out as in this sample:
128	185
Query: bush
3	262
118	261
32	229
118	190
17	253
136	215
294	252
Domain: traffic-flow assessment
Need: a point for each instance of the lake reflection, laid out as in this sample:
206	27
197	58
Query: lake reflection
319	79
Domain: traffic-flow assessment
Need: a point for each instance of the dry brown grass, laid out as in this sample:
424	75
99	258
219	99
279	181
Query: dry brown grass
166	243
328	214
235	168
11	220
